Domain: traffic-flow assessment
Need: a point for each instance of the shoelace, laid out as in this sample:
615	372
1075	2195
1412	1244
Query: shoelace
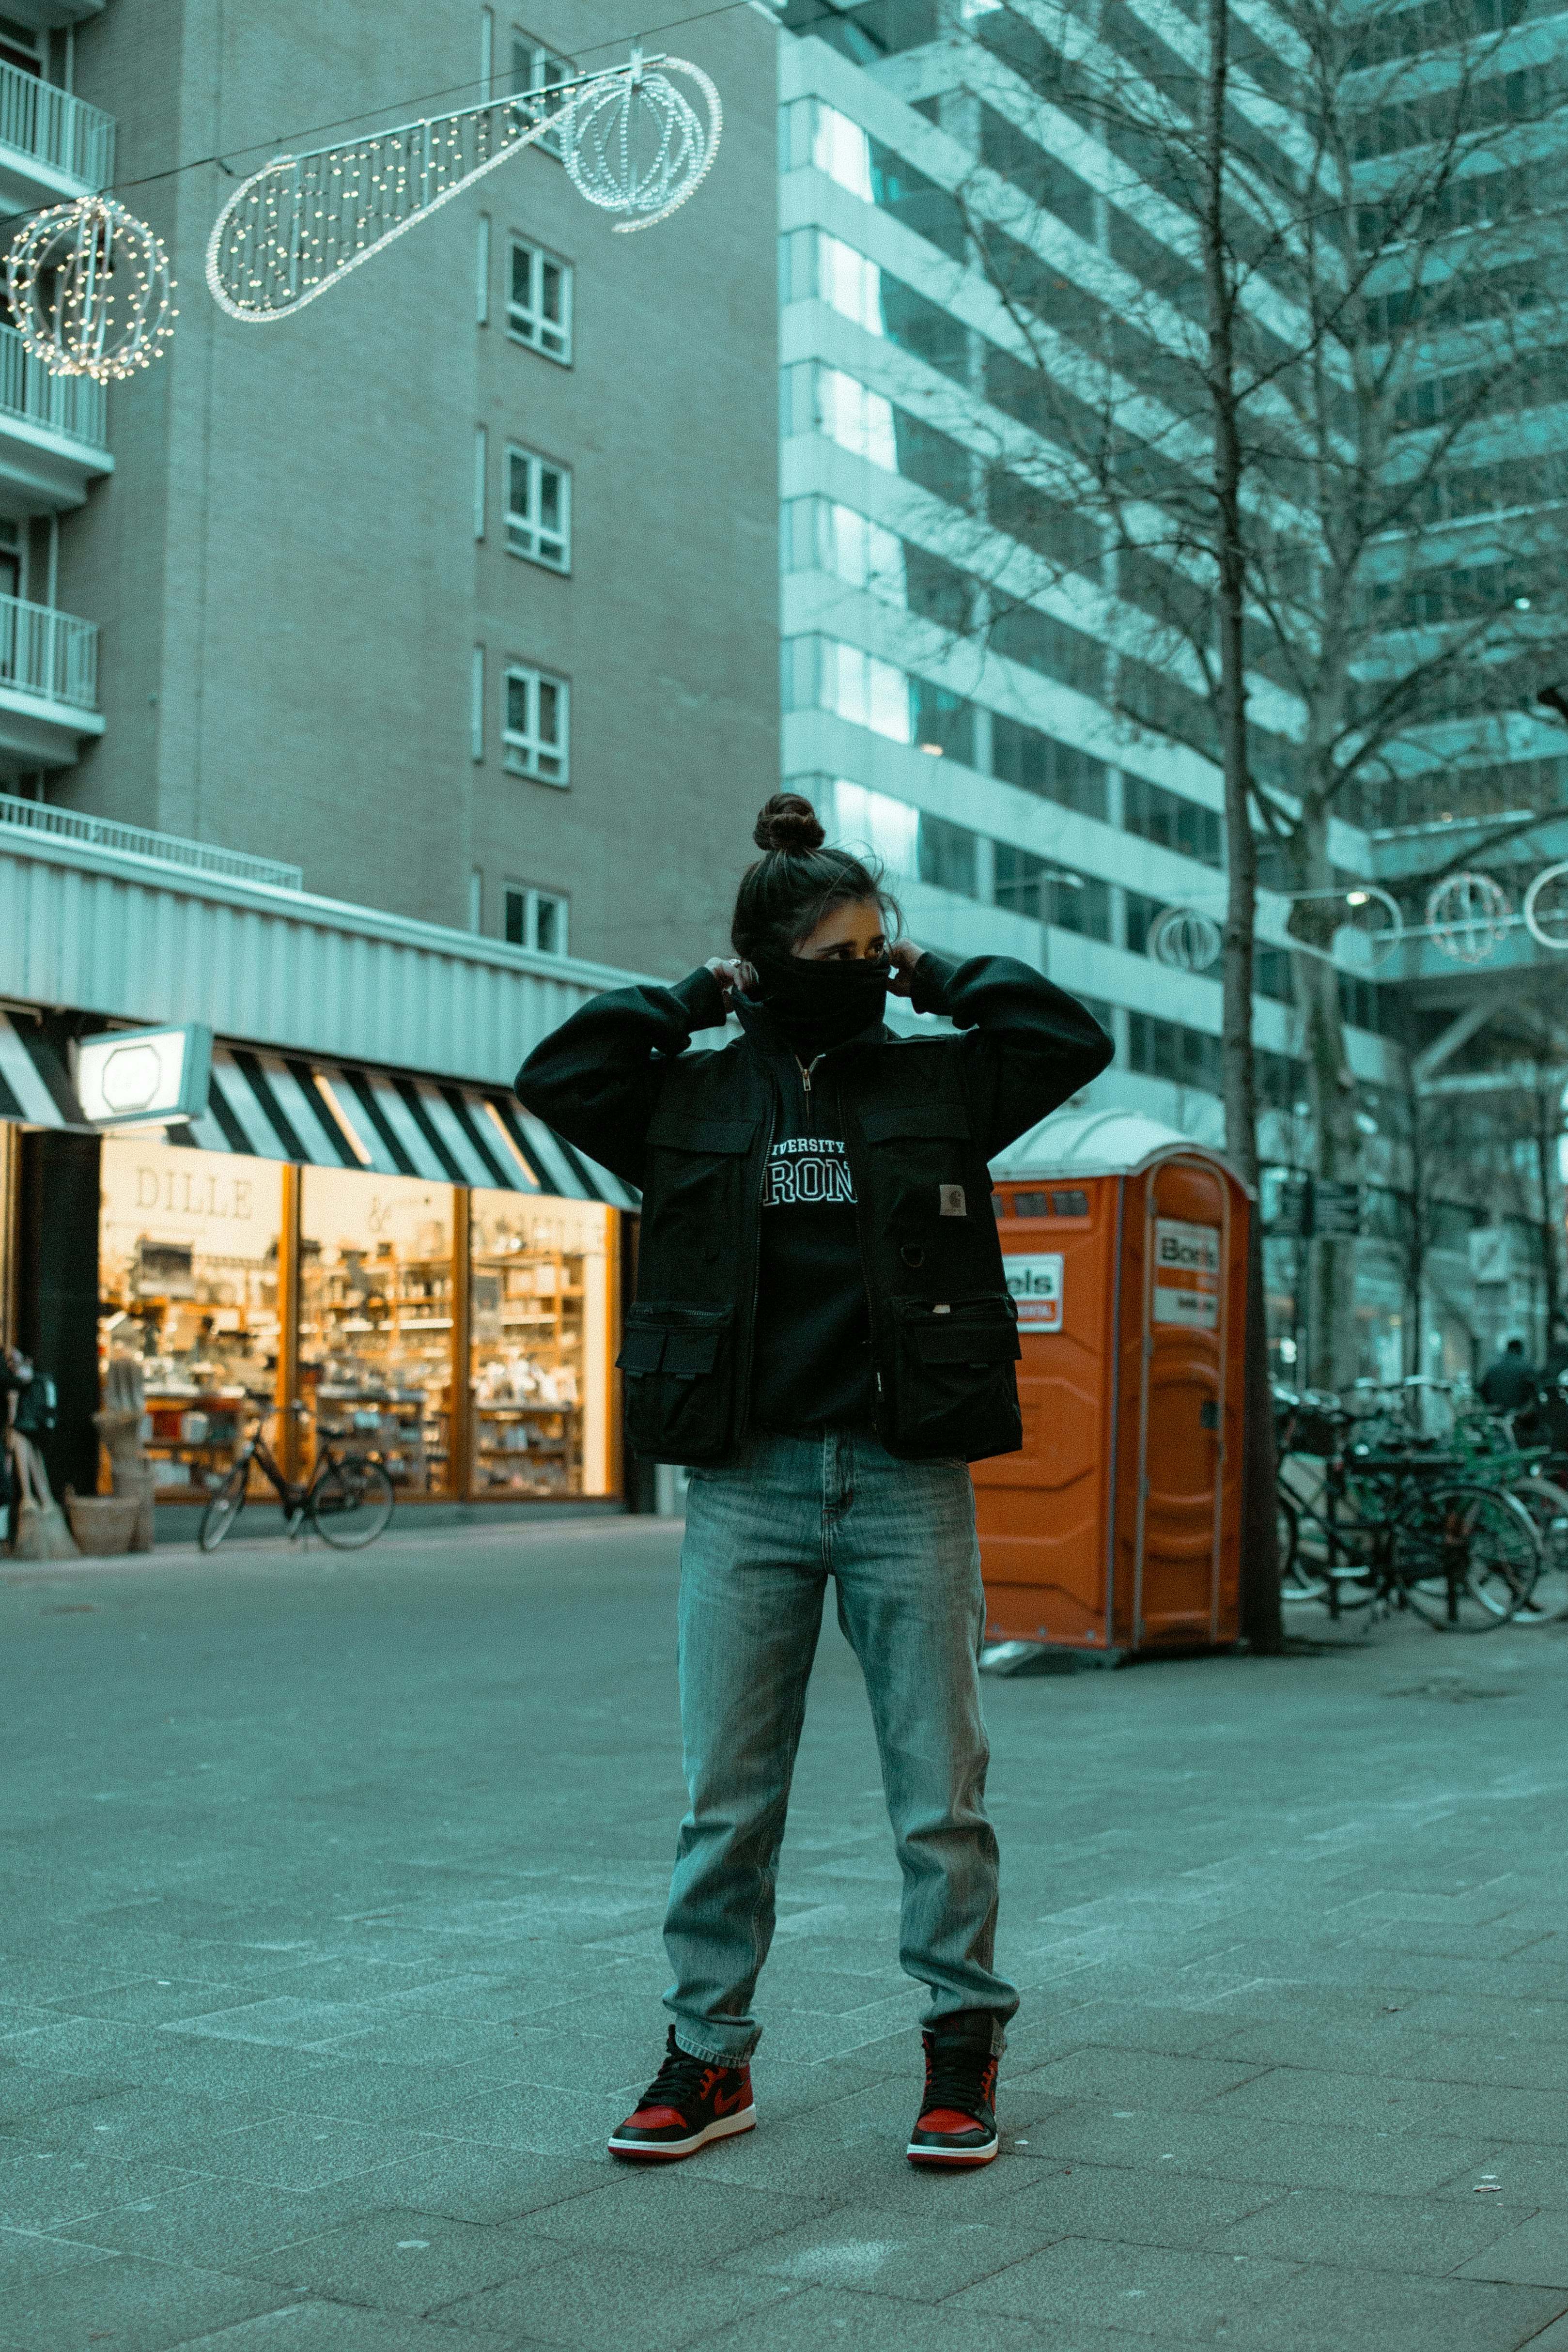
958	2078
680	2077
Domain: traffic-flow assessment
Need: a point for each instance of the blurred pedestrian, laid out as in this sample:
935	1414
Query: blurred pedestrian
1511	1384
823	1333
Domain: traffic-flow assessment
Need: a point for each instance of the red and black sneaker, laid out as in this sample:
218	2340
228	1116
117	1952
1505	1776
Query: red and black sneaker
688	2103
957	2122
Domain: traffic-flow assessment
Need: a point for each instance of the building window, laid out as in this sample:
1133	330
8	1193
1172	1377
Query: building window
536	68
539	305
538	510
535	919
537	719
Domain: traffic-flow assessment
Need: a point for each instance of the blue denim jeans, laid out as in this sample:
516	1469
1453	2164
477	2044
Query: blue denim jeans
761	1539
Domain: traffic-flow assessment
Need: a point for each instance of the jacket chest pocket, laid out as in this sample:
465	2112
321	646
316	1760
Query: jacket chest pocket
692	1198
953	1379
921	1161
678	1362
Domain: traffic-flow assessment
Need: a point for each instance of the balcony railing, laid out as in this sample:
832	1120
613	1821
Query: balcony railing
73	404
51	655
167	848
55	128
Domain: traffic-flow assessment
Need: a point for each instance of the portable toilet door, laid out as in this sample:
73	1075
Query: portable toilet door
1117	1526
1179	1508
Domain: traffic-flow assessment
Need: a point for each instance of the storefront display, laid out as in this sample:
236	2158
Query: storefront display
376	1321
242	1286
188	1271
542	1347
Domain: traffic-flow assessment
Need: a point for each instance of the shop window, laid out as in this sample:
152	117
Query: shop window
538	510
537	720
536	68
535	919
188	1251
376	1321
539	308
543	1309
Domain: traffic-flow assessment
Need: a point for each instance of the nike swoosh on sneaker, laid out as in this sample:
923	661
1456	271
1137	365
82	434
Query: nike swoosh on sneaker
726	2106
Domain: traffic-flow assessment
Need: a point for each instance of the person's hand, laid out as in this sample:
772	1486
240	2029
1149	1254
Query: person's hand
903	955
735	978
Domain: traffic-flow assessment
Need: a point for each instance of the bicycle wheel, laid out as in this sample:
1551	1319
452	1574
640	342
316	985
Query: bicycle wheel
1468	1560
1548	1507
224	1508
352	1504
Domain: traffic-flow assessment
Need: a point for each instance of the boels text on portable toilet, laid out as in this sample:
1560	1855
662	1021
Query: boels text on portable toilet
1117	1528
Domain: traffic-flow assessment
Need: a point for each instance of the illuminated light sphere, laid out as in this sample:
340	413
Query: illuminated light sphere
1469	916
636	143
91	290
1185	939
1546	908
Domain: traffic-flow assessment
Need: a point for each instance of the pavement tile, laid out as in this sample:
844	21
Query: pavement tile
1346	2311
1384	2102
1237	2148
916	2257
1147	2078
225	2222
29	2255
131	2306
312	2326
395	2259
471	2182
1533	2254
44	2188
155	2001
815	2316
1145	2289
600	2302
653	2212
1432	2235
298	2151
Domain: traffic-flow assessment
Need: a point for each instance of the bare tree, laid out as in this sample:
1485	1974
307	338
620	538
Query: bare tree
1319	278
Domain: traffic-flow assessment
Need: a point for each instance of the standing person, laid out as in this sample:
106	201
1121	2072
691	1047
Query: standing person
823	1333
1510	1385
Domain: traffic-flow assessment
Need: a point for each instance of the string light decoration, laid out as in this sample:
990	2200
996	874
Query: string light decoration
91	290
300	224
637	144
1546	908
1185	939
1468	915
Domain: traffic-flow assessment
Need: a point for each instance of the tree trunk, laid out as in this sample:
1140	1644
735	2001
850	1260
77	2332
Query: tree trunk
1260	1612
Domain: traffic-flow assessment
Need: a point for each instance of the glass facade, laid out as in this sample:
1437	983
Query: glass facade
189	1246
376	1319
466	1338
541	1346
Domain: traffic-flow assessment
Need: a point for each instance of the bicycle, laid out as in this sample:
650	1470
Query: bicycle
1399	1528
347	1500
1490	1442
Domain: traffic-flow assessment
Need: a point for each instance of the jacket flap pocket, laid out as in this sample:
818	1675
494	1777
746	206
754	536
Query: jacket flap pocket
673	1131
640	1351
679	1341
971	1331
915	1119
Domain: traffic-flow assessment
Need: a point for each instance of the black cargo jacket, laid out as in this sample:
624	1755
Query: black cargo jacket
921	1117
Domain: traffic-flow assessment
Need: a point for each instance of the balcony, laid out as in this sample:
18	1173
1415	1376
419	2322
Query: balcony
44	13
52	146
53	429
48	686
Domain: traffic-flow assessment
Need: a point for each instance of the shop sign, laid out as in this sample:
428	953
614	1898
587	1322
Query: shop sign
142	1078
1186	1274
1035	1285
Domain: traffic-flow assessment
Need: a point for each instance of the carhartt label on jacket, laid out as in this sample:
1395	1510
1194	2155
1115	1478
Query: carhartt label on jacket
807	1170
952	1197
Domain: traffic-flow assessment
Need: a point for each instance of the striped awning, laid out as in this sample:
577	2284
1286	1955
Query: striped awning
332	1115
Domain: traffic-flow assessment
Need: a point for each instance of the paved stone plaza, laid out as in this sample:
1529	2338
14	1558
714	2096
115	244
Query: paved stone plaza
331	1953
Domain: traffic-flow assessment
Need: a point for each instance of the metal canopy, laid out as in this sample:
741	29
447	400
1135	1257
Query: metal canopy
334	1114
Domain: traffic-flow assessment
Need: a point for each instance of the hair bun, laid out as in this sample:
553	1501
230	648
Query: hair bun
789	824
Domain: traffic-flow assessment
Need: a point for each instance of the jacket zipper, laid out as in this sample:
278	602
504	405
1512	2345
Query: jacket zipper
805	1069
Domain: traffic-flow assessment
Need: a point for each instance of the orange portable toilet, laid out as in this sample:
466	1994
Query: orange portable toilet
1118	1526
